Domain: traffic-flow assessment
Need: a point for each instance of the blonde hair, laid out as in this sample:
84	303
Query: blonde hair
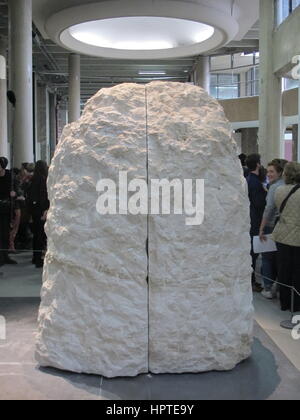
292	173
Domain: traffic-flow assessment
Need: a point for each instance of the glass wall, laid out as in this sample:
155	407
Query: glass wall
284	8
290	84
252	82
225	86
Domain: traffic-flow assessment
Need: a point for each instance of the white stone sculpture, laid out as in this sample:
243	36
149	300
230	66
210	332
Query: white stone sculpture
110	307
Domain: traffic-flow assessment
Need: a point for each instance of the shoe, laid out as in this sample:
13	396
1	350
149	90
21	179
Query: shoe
256	288
267	294
9	261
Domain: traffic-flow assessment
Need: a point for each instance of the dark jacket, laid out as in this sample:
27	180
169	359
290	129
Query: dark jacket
257	197
37	195
5	186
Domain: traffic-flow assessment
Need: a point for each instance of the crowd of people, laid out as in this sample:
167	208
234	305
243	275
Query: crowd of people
23	210
274	195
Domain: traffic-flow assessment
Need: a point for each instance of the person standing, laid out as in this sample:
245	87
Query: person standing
287	236
38	207
257	197
7	194
271	214
243	158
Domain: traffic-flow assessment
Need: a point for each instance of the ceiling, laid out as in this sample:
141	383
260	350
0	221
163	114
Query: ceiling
51	60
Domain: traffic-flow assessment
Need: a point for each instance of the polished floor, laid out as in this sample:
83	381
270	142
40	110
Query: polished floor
272	373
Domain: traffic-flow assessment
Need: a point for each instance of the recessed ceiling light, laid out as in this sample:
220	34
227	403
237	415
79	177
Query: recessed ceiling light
152	73
250	55
141	33
138	29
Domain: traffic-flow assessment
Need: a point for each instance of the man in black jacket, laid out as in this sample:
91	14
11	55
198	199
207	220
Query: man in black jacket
257	197
39	205
6	196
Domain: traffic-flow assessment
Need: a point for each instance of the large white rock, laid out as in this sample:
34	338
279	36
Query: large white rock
94	317
98	313
200	289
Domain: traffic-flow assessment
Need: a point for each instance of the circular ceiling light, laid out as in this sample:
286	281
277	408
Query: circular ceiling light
141	33
138	29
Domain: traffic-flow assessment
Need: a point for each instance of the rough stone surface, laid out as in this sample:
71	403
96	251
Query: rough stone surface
93	317
200	289
98	313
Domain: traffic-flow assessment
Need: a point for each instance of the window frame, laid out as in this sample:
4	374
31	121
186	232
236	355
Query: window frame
218	85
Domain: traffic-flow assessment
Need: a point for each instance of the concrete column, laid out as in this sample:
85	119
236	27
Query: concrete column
74	87
202	73
238	139
3	102
20	34
270	100
41	129
52	124
249	140
62	118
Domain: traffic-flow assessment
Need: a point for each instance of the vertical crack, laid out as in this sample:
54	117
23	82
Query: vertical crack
147	240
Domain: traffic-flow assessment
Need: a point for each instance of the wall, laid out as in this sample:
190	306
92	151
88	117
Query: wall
286	43
242	109
246	109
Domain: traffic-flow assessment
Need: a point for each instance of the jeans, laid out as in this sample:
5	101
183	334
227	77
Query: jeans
254	260
269	269
269	266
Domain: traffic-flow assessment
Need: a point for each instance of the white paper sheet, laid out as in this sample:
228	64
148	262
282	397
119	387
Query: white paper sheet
265	246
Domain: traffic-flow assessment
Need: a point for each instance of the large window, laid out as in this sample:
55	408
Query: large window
284	8
290	84
252	82
225	86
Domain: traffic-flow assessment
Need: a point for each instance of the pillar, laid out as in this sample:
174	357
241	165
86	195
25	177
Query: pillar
202	73
20	35
74	87
61	118
249	140
270	100
3	102
41	129
52	124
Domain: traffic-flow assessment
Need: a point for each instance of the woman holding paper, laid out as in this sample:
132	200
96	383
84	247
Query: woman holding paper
287	236
269	259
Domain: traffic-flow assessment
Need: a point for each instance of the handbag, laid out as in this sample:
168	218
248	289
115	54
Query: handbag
285	201
5	206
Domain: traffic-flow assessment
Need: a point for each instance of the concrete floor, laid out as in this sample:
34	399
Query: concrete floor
272	373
